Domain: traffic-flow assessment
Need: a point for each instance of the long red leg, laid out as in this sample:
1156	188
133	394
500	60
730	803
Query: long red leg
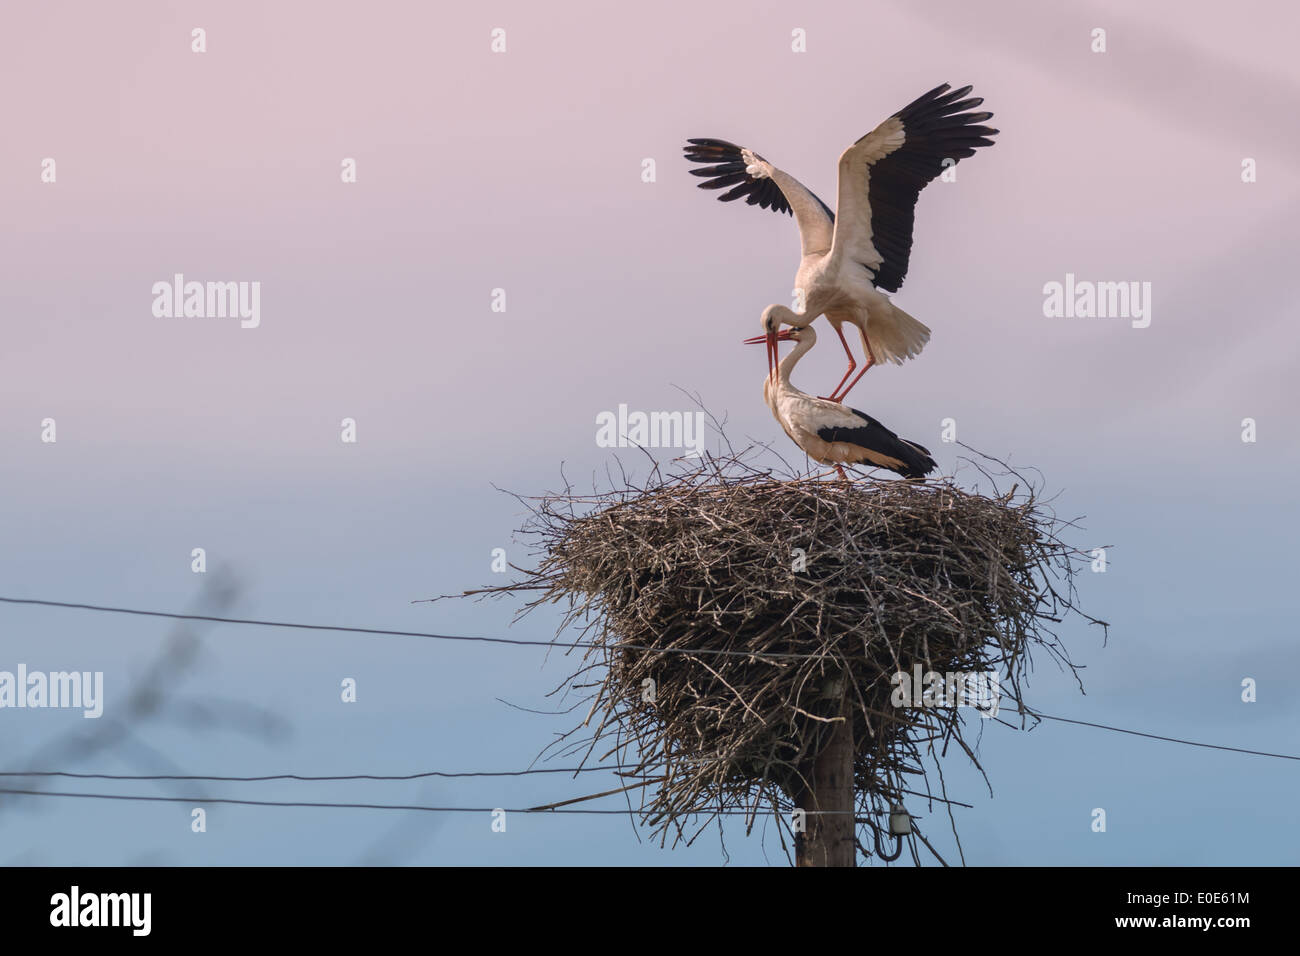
871	360
843	476
853	363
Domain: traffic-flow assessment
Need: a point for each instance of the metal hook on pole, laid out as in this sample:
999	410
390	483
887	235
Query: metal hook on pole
900	825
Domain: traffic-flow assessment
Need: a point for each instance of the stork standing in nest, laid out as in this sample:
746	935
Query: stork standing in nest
852	257
827	431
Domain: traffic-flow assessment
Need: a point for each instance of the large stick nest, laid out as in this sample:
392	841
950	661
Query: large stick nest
726	612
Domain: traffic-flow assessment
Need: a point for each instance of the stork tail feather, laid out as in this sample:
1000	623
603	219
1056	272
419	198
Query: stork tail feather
916	460
899	337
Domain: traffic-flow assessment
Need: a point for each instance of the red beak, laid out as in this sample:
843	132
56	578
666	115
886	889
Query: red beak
773	356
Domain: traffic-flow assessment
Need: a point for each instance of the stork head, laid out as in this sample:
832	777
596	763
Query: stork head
771	340
800	334
774	316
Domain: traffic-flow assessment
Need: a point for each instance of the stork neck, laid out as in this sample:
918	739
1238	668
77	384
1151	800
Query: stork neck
790	361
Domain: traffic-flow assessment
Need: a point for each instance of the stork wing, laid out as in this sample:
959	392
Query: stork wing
881	447
762	184
883	173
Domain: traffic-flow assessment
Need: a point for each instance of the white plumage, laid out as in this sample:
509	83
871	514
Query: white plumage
830	432
850	256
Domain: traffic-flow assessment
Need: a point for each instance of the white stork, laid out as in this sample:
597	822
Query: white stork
829	432
847	261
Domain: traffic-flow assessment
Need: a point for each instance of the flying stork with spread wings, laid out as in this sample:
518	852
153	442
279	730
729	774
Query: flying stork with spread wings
853	256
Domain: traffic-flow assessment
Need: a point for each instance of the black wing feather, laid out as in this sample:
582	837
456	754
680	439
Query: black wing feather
935	129
727	168
914	460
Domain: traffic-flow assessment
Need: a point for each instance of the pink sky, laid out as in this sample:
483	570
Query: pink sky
521	171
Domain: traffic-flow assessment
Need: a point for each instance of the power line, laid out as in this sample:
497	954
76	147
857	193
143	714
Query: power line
720	652
1176	740
436	773
367	776
378	806
552	644
305	777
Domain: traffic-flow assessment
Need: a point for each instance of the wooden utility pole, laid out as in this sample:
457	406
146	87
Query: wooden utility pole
829	838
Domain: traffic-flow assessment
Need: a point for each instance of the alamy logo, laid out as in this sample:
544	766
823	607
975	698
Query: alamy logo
626	429
103	909
1098	300
208	300
58	689
978	689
